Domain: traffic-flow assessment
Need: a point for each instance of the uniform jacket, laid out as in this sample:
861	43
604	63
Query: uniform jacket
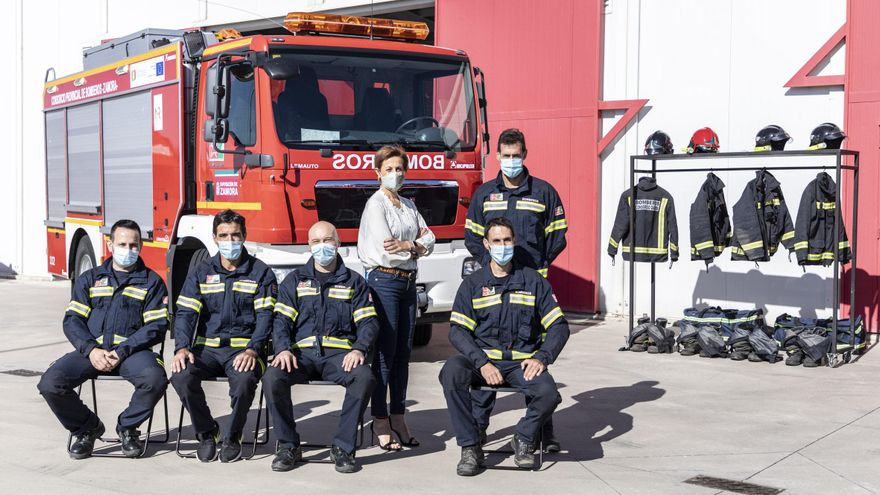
814	229
337	315
537	215
222	308
761	220
656	229
510	319
709	221
127	317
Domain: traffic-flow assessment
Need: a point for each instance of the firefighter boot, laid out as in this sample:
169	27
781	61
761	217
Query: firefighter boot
132	446
795	358
523	452
740	351
471	462
207	450
689	347
85	443
345	462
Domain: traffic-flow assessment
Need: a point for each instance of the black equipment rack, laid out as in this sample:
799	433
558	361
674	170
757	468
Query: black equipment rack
834	357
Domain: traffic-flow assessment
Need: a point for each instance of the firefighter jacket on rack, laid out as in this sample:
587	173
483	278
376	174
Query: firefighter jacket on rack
814	228
709	221
761	220
656	230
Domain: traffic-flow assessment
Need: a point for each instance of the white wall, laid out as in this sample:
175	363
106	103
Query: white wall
723	64
52	33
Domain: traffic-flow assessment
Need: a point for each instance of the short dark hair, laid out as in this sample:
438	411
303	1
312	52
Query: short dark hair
125	224
386	152
499	222
230	216
511	137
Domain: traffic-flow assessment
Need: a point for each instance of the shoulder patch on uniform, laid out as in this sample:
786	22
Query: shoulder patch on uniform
274	289
488	291
496	197
212	279
304	284
102	282
559	211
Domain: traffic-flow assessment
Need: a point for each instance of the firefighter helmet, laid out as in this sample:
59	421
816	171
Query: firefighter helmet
703	141
826	136
659	143
771	138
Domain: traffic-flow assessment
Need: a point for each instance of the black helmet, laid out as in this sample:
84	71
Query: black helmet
658	143
826	136
771	138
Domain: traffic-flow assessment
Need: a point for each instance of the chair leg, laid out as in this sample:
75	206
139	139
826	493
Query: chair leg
257	428
179	433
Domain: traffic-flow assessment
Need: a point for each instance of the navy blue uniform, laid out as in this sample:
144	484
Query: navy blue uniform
121	311
503	321
537	215
221	313
320	324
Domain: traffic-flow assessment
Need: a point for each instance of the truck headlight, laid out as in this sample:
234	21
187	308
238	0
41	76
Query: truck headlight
469	266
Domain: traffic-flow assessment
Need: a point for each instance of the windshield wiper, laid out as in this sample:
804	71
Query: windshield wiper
328	141
413	143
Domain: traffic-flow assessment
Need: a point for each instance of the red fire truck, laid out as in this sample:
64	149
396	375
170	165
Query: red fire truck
170	127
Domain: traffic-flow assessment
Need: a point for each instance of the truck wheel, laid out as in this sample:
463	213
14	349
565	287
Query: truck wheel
84	259
422	334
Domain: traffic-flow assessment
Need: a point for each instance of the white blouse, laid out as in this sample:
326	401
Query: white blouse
382	220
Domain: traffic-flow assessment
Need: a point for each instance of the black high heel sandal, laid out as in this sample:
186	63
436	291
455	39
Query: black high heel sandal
412	442
387	446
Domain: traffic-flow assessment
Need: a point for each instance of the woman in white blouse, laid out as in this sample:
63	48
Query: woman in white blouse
392	236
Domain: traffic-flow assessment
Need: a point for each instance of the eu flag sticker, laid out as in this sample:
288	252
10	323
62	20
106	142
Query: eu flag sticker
160	68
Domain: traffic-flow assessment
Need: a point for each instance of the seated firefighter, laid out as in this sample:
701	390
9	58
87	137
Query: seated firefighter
324	327
224	316
116	314
508	327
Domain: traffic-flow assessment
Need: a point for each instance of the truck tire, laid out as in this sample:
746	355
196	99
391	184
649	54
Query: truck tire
84	259
422	334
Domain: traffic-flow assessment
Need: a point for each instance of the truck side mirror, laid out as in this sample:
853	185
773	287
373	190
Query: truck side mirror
217	90
216	129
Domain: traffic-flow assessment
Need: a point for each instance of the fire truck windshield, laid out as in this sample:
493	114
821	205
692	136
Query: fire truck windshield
358	101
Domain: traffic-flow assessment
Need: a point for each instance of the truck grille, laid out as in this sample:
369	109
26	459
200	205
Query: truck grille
341	202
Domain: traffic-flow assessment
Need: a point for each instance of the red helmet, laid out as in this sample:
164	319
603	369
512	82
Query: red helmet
703	141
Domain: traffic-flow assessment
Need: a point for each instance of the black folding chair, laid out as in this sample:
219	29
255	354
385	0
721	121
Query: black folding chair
307	445
148	439
256	441
507	450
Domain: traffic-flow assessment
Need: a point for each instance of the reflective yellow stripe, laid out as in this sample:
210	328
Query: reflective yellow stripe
788	235
155	314
79	308
117	339
100	291
736	250
530	206
188	302
524	299
485	302
843	244
239	342
645	250
826	205
232	205
215	342
286	311
365	312
556	225
801	245
517	355
339	293
543	272
493	354
462	320
553	315
752	245
212	288
704	245
494	205
661	224
762	148
304	343
264	302
246	287
827	255
474	227
335	343
306	291
613	242
673	246
134	292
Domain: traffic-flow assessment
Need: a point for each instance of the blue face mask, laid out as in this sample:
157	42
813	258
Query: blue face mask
230	250
501	254
512	167
324	253
125	257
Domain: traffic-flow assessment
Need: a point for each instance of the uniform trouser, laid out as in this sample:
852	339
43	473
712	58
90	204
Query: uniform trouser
213	363
358	385
395	300
141	369
459	375
484	403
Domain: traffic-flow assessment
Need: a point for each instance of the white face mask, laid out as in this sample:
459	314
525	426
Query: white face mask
125	257
392	181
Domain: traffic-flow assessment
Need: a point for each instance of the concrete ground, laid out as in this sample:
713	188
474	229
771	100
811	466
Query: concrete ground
629	423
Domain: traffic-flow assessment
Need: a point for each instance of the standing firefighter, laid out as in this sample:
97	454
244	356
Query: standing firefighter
116	315
534	209
224	316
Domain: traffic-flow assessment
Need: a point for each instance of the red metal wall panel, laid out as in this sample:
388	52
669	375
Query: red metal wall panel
543	66
862	125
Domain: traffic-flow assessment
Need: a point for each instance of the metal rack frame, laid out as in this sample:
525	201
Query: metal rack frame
834	356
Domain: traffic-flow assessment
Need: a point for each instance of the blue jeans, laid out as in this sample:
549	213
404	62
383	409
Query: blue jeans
395	301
